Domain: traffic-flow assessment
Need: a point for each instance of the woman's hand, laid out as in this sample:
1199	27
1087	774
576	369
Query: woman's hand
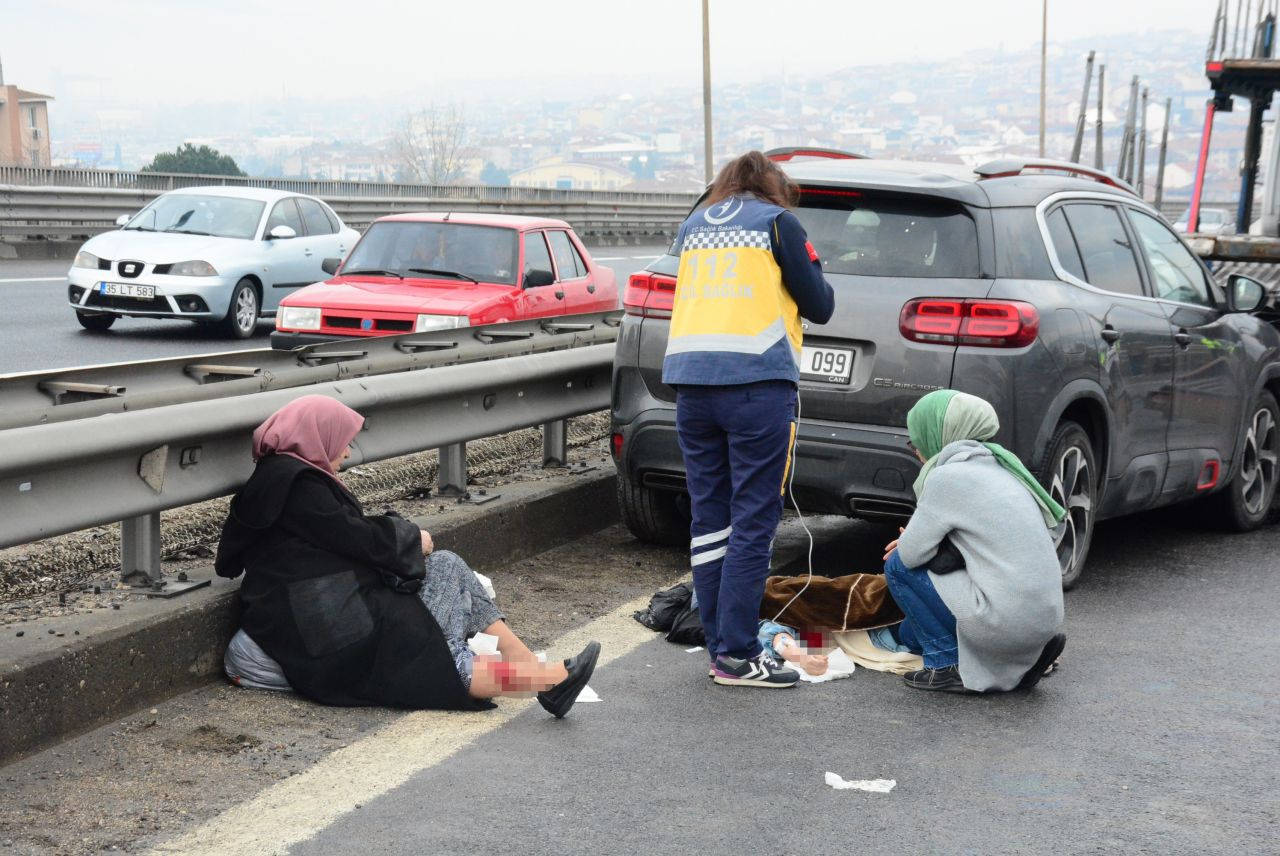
427	544
892	545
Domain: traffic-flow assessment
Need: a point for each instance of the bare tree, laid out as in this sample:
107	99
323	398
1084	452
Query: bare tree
432	147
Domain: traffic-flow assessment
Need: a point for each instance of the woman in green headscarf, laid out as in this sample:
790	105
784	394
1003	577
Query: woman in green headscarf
994	623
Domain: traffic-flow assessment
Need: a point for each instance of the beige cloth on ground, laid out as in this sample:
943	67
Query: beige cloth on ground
861	650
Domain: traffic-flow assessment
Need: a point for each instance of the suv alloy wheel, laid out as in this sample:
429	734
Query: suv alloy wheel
1069	475
1244	503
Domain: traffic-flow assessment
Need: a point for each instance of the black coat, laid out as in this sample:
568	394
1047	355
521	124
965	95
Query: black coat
315	598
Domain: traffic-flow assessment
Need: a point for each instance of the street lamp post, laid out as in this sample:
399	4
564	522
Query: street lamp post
706	88
1044	55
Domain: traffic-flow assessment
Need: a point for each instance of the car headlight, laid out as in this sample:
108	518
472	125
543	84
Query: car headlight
193	268
85	260
439	322
298	318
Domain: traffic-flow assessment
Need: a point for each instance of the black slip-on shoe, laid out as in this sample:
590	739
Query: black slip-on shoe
941	680
557	700
1052	651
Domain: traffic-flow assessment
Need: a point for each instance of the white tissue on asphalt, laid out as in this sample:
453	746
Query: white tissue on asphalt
587	695
875	786
693	649
838	666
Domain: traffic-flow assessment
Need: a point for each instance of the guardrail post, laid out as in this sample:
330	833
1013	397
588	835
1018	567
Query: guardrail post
140	551
451	480
554	444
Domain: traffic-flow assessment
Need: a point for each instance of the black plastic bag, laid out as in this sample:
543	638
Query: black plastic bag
665	606
687	627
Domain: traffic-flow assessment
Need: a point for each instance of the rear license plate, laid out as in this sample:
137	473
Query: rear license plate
125	289
826	365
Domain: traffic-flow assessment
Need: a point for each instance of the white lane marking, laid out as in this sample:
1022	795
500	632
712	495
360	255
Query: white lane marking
650	258
304	805
610	258
36	279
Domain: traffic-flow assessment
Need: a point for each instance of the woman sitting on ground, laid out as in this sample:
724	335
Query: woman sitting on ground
992	624
360	609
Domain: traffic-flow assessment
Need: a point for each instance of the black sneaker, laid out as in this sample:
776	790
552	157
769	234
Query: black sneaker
760	671
557	700
943	680
1052	651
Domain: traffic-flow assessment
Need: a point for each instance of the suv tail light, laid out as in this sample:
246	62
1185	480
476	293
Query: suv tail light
982	323
649	295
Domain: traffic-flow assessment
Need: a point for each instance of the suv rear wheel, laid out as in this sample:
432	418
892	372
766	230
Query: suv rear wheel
652	515
1069	474
1243	504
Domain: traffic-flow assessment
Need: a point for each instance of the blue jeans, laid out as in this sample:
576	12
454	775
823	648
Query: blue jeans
736	442
929	627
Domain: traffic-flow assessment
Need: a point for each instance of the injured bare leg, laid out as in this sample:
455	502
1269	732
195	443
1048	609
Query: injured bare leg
496	676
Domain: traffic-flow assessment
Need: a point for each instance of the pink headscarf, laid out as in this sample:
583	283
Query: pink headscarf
313	428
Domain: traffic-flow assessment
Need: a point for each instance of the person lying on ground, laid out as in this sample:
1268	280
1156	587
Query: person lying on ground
357	609
993	624
780	642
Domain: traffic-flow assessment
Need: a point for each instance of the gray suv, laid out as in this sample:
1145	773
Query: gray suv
1123	374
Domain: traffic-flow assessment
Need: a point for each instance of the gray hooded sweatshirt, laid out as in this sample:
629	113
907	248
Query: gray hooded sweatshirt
1008	599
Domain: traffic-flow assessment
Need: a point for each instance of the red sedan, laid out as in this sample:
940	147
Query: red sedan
413	273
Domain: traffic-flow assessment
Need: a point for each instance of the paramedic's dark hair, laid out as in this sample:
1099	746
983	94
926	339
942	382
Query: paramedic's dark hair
756	174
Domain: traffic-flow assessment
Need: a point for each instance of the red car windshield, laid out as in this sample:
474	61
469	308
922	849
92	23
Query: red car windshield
482	253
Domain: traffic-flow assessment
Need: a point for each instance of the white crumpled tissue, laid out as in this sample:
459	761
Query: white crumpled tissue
483	643
838	666
486	584
875	786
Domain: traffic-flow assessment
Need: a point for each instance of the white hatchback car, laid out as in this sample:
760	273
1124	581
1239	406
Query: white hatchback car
222	256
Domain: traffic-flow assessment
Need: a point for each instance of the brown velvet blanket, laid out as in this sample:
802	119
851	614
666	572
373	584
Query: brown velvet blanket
853	602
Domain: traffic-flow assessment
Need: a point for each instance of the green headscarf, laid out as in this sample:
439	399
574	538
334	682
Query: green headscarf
945	416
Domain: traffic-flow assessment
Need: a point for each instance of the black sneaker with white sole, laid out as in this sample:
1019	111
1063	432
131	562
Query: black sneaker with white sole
759	671
942	680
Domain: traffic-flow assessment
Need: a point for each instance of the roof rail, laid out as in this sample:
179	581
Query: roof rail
792	152
1015	166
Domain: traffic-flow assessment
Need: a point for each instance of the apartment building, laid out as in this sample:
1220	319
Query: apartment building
24	127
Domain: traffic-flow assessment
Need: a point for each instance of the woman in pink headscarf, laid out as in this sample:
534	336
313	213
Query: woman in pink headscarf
360	609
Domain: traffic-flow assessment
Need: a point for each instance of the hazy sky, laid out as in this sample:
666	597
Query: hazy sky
231	50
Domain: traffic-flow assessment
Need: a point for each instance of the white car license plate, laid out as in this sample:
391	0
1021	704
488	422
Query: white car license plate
125	289
827	365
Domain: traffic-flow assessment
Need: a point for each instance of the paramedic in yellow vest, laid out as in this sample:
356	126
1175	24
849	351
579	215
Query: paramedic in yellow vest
747	276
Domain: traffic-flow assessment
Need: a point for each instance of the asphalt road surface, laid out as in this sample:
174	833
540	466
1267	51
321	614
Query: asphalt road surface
1157	735
38	330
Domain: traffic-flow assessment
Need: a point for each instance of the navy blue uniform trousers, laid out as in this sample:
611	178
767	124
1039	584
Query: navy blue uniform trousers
737	443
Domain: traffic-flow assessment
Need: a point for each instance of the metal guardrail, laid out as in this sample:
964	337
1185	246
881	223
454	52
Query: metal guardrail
60	395
176	444
62	212
55	202
159	182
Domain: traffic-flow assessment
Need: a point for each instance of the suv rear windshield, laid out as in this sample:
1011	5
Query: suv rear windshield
889	235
